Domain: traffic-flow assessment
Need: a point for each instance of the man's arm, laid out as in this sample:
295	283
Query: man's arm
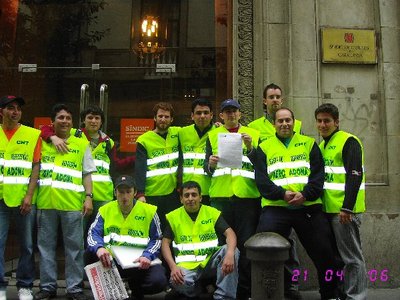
210	162
176	273
122	163
153	248
314	187
228	265
26	205
140	171
88	204
352	162
88	167
49	136
95	241
268	189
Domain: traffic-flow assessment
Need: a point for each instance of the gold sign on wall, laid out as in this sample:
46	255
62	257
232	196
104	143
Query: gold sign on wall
352	46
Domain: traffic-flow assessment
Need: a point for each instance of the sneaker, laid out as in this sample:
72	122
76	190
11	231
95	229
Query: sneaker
3	295
76	296
44	294
293	295
25	294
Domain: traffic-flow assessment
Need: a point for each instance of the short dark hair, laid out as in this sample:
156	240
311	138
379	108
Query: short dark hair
328	108
201	102
94	110
272	86
57	108
190	185
164	106
282	108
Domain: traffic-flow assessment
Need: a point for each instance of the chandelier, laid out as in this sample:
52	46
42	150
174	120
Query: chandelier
150	42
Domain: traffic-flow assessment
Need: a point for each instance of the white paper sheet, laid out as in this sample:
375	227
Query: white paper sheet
230	150
125	256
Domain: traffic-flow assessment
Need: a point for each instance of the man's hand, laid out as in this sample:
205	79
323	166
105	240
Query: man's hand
297	200
247	141
345	217
228	264
142	199
288	196
177	275
26	205
213	161
87	207
144	262
60	144
104	256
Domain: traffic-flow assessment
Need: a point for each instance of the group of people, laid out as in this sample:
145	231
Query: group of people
181	203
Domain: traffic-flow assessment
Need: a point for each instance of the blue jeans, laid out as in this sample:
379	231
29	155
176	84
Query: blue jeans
226	285
348	242
24	228
72	231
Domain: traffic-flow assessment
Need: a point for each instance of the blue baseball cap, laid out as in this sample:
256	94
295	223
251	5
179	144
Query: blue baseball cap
230	103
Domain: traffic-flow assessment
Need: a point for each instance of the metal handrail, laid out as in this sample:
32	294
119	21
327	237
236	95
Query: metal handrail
84	101
104	103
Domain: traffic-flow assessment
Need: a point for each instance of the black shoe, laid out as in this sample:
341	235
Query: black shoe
44	294
293	295
76	296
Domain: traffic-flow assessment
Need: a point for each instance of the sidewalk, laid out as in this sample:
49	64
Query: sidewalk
373	294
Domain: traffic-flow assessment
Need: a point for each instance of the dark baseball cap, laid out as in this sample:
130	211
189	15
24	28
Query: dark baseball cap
230	103
5	100
125	180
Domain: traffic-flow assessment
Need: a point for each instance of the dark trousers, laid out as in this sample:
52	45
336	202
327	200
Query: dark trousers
165	204
145	282
314	233
242	215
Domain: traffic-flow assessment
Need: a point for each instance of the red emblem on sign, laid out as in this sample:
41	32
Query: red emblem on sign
349	37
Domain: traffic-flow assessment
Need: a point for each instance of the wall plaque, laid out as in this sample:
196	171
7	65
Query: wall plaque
351	46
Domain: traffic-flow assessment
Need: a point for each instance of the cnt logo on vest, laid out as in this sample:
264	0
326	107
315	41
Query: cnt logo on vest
206	221
22	142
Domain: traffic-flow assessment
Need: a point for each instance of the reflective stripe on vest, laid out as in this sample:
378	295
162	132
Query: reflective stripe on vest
162	158
192	155
126	239
159	172
339	186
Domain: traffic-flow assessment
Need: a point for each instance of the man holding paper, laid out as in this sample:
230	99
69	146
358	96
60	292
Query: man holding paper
127	222
233	190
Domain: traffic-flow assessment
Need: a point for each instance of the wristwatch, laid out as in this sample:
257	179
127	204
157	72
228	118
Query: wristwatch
89	195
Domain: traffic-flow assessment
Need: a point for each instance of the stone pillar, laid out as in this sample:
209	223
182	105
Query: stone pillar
267	251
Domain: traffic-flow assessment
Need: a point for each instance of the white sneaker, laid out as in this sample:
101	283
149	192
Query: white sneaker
3	295
25	294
